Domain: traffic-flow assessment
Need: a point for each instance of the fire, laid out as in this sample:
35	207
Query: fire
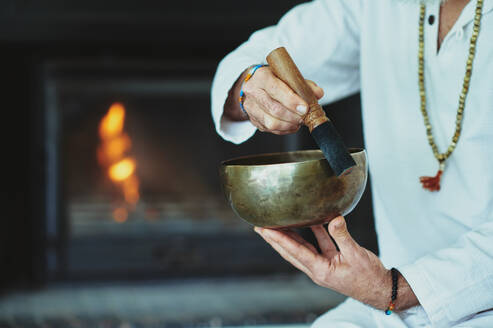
122	170
113	155
111	125
113	150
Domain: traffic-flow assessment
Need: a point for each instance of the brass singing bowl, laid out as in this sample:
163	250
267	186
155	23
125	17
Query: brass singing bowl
293	189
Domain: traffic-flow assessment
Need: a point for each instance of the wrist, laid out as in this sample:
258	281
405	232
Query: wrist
394	275
385	292
378	296
232	109
406	298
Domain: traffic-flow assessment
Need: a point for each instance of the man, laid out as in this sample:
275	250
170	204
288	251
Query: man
425	73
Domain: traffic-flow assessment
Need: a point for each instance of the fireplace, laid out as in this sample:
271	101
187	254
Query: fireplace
132	208
132	168
136	210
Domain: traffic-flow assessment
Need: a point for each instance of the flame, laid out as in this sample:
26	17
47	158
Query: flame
112	123
113	156
113	150
122	170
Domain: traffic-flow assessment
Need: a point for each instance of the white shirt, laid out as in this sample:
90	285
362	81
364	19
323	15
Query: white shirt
442	242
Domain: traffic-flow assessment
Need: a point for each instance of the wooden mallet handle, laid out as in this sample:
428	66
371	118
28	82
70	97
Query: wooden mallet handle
285	69
321	128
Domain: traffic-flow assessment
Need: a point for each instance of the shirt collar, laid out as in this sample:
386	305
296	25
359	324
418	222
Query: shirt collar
467	15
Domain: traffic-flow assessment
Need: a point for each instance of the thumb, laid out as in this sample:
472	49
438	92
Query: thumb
338	231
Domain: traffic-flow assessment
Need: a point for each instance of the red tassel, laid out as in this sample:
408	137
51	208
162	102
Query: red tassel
432	183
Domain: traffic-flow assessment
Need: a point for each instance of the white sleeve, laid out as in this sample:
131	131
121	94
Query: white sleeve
455	283
322	36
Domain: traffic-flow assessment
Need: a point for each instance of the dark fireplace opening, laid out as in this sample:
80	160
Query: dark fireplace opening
136	158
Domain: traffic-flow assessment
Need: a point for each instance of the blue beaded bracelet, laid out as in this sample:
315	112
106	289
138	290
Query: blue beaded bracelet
241	99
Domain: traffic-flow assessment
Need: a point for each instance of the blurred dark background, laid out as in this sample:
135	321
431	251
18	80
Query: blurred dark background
64	63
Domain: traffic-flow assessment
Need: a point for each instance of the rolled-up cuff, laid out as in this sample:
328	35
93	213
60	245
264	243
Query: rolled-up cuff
234	131
425	293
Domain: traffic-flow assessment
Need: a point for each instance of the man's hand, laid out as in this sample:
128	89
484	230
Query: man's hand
352	270
271	105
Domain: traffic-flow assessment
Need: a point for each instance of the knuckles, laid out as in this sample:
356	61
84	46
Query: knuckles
277	110
257	90
271	124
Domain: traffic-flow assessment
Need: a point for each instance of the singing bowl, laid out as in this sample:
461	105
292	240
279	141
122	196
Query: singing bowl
292	189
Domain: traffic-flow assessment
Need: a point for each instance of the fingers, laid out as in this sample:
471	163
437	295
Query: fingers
305	256
274	108
338	231
300	240
262	109
272	105
280	91
288	257
318	91
324	242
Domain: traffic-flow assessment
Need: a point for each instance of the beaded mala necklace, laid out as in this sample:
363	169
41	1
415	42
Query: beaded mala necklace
433	183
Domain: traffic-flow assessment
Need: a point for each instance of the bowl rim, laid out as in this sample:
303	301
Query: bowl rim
225	163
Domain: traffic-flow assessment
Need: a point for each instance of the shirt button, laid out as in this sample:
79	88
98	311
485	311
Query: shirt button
431	19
